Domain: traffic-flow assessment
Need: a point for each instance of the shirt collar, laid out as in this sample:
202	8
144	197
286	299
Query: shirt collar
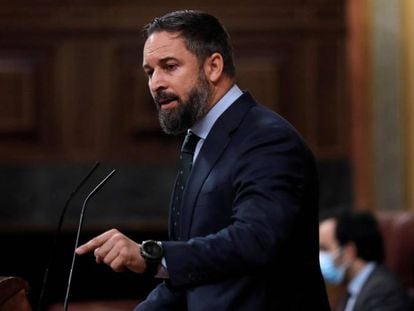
202	127
358	281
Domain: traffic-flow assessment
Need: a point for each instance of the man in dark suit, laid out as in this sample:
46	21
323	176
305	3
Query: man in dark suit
244	211
351	254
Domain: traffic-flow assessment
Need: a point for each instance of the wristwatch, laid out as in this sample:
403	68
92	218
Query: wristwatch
152	252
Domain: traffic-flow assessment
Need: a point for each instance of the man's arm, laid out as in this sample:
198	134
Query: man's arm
119	252
163	298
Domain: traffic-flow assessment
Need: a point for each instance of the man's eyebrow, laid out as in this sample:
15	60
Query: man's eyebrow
166	59
161	61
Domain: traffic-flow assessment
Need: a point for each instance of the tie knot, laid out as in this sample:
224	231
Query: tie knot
190	143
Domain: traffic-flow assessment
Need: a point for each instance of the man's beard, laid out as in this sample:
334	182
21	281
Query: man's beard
184	115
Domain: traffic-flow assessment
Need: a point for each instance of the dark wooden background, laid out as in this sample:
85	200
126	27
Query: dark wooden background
72	92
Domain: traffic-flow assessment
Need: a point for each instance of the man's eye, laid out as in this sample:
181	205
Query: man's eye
170	67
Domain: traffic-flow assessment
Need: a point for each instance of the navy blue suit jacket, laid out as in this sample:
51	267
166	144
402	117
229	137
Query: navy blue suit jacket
249	223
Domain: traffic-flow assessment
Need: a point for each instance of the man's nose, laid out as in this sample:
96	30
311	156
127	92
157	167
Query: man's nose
157	82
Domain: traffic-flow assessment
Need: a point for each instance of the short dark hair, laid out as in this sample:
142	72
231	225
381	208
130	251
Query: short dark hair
203	35
361	228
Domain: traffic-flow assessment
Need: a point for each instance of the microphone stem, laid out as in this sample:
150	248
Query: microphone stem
65	306
57	236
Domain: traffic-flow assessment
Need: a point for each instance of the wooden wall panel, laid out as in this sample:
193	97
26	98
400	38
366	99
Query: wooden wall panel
28	119
304	81
18	97
84	84
88	99
261	77
138	108
330	117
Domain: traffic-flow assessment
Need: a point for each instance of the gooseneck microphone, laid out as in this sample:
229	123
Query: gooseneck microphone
93	192
58	233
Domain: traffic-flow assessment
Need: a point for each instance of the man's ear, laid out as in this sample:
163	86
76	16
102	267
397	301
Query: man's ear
213	67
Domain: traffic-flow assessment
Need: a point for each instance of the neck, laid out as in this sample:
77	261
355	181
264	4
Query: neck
219	89
356	268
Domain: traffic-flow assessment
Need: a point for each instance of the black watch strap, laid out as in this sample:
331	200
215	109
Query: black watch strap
151	269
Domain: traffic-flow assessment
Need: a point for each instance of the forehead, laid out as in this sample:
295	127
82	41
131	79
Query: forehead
163	45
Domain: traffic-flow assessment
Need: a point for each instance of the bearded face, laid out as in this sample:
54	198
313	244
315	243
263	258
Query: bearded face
187	111
177	81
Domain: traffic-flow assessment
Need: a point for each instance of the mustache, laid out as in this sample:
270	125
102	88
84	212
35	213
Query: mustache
163	96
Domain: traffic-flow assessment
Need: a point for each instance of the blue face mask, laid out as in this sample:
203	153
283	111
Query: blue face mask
331	273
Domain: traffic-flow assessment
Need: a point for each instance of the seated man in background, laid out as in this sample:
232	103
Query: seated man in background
351	253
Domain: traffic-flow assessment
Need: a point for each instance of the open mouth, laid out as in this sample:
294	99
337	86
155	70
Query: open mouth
167	102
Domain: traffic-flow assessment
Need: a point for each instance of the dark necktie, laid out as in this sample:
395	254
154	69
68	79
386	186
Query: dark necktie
185	165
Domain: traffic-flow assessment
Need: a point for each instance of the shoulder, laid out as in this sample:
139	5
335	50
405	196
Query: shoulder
264	140
254	130
246	115
262	125
382	288
382	276
260	115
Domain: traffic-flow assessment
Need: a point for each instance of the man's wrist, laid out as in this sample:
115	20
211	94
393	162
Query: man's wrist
152	252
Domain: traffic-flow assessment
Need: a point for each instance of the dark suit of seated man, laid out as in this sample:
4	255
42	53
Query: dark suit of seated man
351	254
244	226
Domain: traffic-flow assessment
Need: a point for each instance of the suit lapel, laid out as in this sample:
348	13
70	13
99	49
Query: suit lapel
213	147
170	212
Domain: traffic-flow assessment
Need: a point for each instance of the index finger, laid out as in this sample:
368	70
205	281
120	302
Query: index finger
95	242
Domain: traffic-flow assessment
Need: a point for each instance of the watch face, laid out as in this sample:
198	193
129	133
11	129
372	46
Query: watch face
152	249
